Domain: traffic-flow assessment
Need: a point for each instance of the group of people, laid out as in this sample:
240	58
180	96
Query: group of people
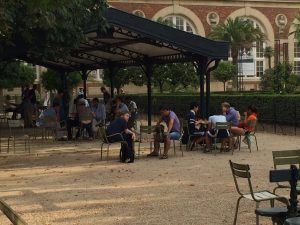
202	130
28	106
78	111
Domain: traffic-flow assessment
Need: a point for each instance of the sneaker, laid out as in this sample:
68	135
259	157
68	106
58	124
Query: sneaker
153	154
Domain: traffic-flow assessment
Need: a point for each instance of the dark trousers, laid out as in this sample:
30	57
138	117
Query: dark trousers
127	151
70	125
88	128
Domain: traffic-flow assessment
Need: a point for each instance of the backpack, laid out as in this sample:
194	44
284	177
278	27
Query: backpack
159	135
185	136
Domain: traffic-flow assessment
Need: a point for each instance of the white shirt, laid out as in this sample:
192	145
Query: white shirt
216	119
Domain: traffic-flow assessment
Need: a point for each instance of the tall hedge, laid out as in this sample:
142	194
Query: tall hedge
272	108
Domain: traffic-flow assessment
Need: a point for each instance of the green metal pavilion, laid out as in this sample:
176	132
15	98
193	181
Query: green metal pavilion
135	41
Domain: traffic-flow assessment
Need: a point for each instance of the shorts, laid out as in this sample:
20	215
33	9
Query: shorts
219	134
175	135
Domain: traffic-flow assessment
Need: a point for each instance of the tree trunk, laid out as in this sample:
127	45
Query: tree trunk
224	86
235	80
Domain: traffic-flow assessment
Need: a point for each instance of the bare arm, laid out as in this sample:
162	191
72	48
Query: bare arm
159	121
127	131
170	125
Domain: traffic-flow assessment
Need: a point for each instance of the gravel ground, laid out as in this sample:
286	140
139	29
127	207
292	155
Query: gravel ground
66	184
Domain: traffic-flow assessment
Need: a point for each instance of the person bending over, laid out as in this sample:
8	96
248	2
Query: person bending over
118	131
173	131
196	127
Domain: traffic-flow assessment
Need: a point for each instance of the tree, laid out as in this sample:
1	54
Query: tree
46	28
280	79
224	72
269	53
51	80
120	79
16	74
240	33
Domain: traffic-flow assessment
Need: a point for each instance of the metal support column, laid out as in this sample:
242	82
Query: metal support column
113	70
84	76
201	69
149	72
63	78
208	72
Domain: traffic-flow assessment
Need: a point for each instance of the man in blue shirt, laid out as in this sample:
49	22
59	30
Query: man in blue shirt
118	131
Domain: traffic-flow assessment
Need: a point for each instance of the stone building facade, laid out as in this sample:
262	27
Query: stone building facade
274	18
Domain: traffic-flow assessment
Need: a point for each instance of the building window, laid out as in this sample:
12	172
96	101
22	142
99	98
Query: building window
180	23
251	60
259	68
139	13
297	57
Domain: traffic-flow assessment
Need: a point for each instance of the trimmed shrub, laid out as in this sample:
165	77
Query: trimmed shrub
272	108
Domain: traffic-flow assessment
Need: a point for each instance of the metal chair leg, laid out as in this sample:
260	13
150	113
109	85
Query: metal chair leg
256	142
101	153
174	146
107	154
257	217
236	210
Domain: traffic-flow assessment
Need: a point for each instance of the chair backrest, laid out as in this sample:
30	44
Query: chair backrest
11	214
241	171
15	123
85	114
147	129
223	126
286	158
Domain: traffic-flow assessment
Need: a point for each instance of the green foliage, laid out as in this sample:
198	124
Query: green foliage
225	72
124	76
239	32
46	28
280	79
51	80
175	76
15	74
284	109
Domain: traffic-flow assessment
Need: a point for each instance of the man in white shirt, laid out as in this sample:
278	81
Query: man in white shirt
213	133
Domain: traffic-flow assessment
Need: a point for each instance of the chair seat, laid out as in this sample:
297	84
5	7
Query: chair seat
260	195
292	221
272	212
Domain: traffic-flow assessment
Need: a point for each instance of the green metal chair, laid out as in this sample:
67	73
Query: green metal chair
221	126
105	141
146	133
248	136
17	133
285	158
242	171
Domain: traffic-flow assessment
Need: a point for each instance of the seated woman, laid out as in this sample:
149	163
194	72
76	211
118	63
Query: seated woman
248	125
118	131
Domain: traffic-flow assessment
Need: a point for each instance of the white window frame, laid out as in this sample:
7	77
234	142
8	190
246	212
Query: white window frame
186	23
296	59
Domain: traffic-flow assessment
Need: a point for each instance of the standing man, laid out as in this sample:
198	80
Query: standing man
173	131
106	95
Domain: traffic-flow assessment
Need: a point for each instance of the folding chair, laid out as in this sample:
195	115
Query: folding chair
146	132
190	136
242	171
105	141
17	132
285	158
221	126
11	214
248	136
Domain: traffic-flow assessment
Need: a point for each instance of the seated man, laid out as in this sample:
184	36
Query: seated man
224	135
85	117
195	126
118	131
49	118
230	113
133	111
248	125
173	131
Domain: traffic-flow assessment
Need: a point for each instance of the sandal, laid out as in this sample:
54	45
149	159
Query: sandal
164	156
